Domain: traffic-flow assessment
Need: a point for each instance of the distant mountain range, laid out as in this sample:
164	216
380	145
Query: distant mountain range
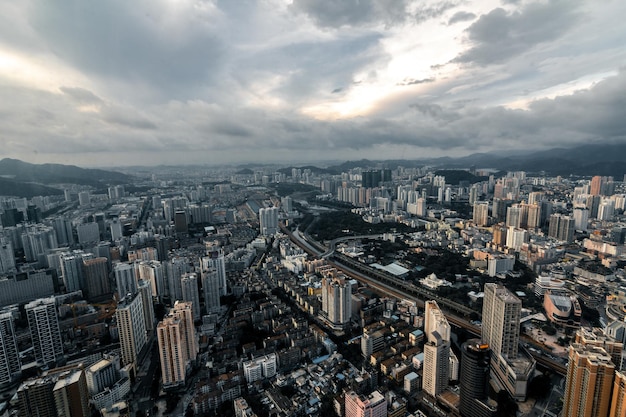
586	160
22	179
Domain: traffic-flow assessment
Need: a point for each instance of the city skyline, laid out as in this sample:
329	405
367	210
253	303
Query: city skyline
148	83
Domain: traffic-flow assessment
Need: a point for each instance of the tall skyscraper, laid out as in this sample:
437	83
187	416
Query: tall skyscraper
45	334
373	405
215	259
154	273
268	220
10	364
474	380
588	382
71	396
72	269
189	283
337	300
132	327
436	350
561	227
618	398
7	257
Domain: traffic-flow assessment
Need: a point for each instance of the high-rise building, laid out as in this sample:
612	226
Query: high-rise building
211	290
174	269
71	396
287	204
96	278
514	216
337	300
7	257
177	344
71	264
481	213
581	218
102	374
145	290
154	273
618	398
588	382
45	333
561	227
84	199
116	230
436	350
474	380
10	365
125	279
215	259
37	240
511	369
501	315
88	233
189	283
268	220
132	327
372	405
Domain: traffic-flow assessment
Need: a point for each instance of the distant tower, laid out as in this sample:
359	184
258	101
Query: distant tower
132	327
7	258
175	268
436	350
588	382
481	213
474	380
10	364
154	273
84	199
189	283
45	334
337	300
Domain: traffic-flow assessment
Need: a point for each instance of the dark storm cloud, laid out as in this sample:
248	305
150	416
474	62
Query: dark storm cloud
498	35
461	17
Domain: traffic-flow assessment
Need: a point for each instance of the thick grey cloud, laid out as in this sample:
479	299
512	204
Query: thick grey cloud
500	35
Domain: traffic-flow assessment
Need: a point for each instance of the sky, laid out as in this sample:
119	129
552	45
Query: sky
146	82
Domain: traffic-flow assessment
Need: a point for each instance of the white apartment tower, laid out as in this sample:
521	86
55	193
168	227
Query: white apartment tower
132	327
268	220
215	259
10	364
45	334
337	300
436	350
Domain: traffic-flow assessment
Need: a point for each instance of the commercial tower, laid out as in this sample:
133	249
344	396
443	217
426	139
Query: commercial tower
125	278
211	290
337	300
588	382
45	334
96	278
10	364
474	380
436	350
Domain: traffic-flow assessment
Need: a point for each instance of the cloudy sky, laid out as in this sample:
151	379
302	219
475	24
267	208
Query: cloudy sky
142	82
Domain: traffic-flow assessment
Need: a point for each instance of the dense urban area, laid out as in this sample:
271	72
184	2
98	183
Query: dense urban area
272	291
